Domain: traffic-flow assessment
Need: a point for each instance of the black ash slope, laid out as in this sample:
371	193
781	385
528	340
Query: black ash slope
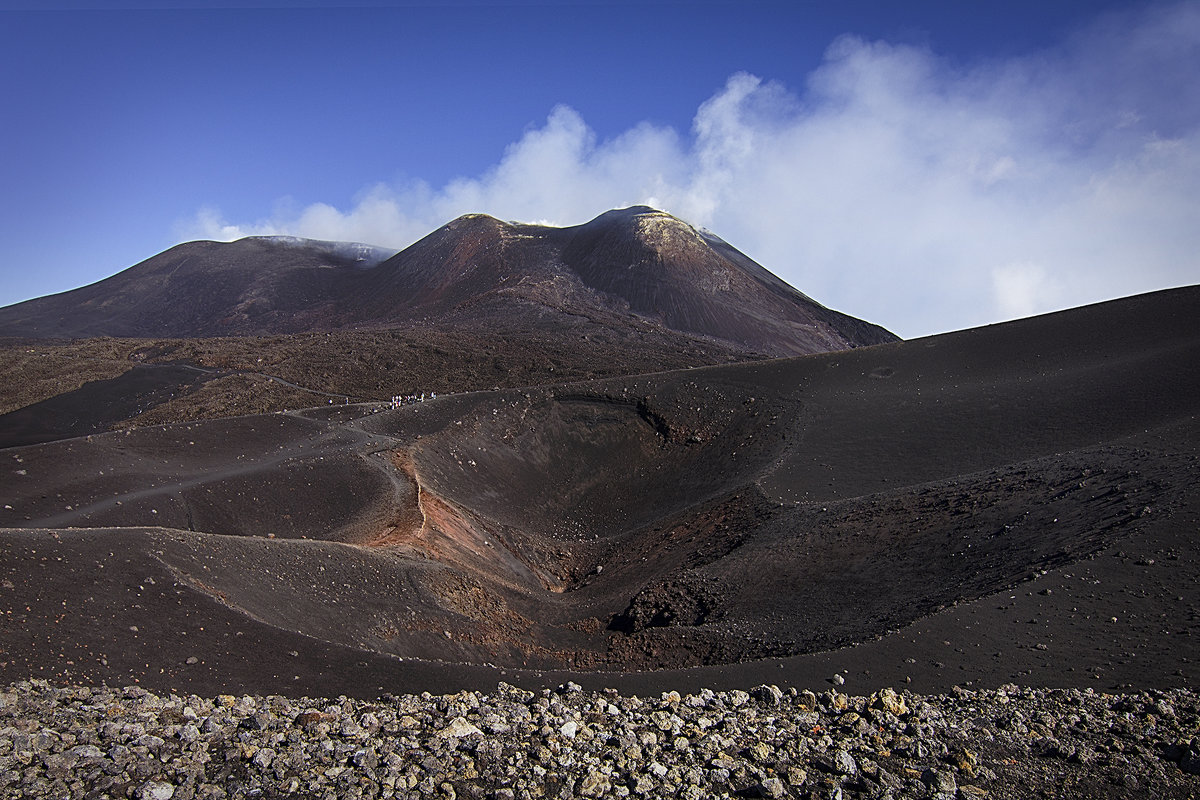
1014	502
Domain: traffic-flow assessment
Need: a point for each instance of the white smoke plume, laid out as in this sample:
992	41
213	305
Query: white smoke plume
896	185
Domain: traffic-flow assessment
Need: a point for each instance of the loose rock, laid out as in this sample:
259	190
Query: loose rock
510	743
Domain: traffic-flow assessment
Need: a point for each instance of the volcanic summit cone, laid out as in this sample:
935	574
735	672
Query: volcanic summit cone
633	263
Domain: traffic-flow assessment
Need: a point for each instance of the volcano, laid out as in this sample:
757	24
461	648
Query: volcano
212	329
631	264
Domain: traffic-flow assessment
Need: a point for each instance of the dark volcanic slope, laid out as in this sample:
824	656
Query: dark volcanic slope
259	284
1015	502
632	260
475	271
55	389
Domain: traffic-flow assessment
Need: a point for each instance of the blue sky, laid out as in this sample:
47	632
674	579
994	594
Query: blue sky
924	165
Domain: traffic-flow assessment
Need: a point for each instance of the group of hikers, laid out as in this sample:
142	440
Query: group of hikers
408	399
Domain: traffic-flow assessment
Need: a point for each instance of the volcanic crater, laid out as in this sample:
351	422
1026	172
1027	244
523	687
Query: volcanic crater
1014	502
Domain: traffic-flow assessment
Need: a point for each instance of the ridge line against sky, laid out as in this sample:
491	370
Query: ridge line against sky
915	168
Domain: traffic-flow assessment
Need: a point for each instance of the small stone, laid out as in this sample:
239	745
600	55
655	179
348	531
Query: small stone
837	679
772	787
156	790
192	660
309	718
663	720
940	780
643	785
459	728
890	701
569	729
596	784
150	742
769	695
760	751
86	751
844	763
964	761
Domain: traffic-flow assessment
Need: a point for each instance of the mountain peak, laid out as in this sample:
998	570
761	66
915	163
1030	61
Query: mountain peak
475	217
657	230
480	221
630	211
477	270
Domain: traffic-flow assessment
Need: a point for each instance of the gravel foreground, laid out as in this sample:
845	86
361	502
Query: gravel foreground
89	742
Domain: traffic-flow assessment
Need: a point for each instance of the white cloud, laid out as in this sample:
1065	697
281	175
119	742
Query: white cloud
895	185
1022	288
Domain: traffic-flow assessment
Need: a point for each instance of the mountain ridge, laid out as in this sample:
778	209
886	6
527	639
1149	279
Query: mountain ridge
636	262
